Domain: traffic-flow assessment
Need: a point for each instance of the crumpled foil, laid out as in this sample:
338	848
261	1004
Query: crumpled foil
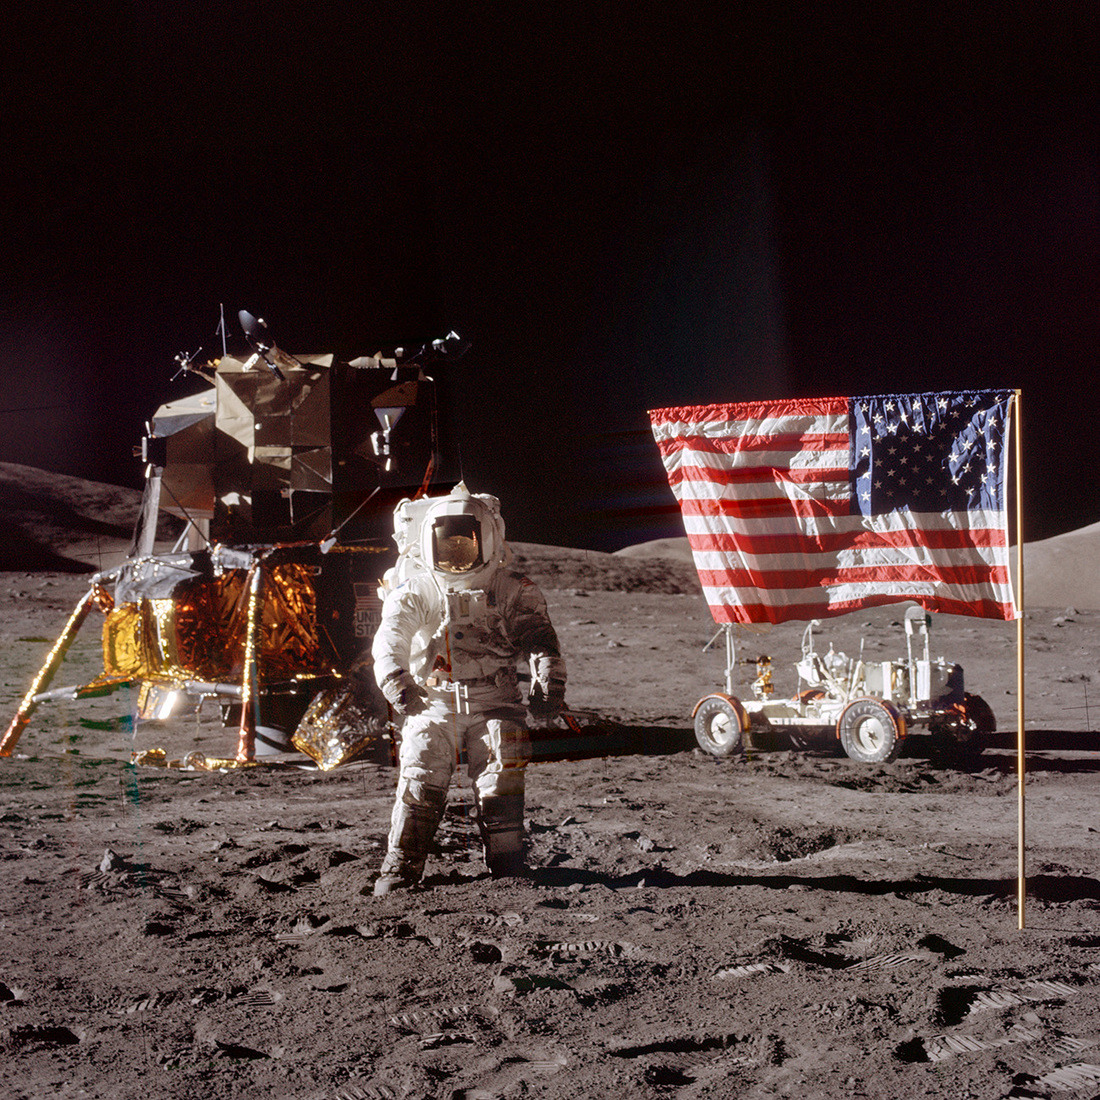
336	727
156	758
199	632
200	762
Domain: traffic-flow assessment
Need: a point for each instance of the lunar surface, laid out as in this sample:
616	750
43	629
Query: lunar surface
780	922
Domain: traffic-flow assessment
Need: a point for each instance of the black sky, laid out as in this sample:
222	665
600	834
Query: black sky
624	205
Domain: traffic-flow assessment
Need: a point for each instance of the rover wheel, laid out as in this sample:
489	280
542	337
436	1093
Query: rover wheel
963	736
871	731
979	715
719	723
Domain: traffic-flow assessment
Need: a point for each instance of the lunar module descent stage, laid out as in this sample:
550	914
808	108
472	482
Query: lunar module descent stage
286	470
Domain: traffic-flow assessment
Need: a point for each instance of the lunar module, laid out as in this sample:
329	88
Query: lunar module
285	470
871	705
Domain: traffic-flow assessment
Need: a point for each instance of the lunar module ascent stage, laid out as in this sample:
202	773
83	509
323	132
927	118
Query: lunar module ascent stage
286	470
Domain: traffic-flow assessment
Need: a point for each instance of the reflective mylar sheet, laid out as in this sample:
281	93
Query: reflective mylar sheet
336	728
199	633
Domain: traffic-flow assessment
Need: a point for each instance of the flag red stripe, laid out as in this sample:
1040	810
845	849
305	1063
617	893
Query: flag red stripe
792	442
765	475
863	574
767	613
770	507
750	411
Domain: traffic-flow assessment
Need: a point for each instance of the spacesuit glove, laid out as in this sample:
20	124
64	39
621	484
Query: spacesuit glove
545	700
404	694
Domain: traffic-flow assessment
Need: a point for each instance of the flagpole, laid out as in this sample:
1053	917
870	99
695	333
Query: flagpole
1021	883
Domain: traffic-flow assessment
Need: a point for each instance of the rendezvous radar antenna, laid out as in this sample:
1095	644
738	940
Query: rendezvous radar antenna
221	327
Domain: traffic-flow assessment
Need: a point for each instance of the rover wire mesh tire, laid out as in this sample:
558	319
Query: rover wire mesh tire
719	725
966	722
871	731
979	715
964	738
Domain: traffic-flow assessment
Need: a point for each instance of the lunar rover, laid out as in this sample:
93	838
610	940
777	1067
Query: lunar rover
871	705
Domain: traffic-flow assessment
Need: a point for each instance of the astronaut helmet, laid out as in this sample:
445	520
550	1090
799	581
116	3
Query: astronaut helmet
462	537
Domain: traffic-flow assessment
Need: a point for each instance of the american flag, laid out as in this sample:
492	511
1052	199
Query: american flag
810	508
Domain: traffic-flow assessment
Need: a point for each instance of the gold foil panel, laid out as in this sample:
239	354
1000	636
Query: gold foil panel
139	641
336	728
200	632
210	631
198	761
122	648
159	617
288	632
156	758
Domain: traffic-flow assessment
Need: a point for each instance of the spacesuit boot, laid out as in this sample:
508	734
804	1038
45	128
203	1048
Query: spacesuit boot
500	822
416	816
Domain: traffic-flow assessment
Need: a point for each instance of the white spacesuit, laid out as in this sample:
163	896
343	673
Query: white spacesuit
455	622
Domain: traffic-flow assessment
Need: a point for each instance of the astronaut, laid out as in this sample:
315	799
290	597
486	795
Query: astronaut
455	622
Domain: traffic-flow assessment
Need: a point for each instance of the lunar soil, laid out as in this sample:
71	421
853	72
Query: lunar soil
786	922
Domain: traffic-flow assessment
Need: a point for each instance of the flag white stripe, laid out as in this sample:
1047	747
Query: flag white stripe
765	490
860	558
799	527
736	491
765	461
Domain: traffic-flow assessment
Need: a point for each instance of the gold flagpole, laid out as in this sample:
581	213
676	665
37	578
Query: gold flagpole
1021	882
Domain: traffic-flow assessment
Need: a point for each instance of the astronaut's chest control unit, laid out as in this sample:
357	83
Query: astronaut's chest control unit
869	705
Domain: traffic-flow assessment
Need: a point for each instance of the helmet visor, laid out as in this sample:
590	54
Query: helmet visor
456	545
